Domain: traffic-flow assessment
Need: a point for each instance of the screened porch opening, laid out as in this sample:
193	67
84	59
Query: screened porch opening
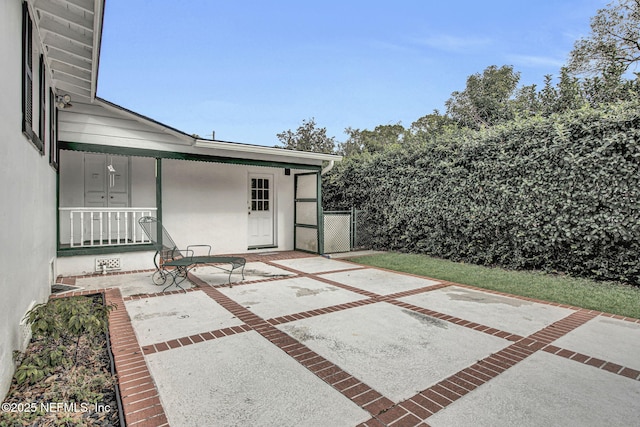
101	198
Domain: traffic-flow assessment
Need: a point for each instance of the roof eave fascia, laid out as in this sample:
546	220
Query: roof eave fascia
258	149
98	21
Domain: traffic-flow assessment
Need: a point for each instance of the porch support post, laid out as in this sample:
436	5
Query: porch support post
159	199
320	214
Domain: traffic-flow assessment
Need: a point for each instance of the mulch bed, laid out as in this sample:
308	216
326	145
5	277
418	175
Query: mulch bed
78	392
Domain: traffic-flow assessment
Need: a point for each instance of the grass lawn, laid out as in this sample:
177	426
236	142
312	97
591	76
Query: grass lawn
609	297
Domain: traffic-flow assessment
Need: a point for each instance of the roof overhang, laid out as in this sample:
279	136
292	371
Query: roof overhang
71	32
237	149
259	149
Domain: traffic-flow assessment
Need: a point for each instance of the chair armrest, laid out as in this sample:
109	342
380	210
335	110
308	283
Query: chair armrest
199	246
188	253
175	254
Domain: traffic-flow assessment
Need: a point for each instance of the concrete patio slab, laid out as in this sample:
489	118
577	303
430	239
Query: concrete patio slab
441	356
395	351
252	271
168	317
613	340
243	380
129	284
316	264
379	281
501	312
545	390
288	296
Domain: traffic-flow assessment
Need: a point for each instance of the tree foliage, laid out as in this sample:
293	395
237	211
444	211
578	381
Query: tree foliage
308	137
485	100
614	41
372	141
431	126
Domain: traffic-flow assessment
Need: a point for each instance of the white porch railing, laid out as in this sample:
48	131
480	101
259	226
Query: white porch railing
91	227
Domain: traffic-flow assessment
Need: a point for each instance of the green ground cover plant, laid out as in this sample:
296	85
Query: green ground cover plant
64	377
608	297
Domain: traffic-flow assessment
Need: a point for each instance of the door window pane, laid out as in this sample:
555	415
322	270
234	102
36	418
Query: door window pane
260	195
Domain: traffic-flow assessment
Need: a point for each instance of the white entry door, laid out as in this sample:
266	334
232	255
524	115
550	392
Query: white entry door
261	210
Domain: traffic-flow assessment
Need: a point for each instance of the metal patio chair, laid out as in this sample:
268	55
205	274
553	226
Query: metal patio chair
173	264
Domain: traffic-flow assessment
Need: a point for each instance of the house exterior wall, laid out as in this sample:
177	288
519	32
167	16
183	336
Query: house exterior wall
204	203
28	194
208	203
81	265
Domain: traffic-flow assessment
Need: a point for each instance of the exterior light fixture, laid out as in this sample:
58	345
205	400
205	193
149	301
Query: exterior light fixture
63	101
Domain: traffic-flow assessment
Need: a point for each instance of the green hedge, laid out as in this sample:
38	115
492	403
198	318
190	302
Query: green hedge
560	194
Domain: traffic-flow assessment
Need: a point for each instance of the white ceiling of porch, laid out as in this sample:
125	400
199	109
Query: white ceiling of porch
71	31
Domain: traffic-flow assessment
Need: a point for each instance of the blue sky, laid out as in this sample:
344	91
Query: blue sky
250	69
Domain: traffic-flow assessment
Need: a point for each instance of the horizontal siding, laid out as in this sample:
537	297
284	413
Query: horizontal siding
95	124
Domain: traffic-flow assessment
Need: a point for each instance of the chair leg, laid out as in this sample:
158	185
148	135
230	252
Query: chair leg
182	272
233	267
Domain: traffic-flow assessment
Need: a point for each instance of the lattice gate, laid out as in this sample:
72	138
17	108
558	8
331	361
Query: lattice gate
345	231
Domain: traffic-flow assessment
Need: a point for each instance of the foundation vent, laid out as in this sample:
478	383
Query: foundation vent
107	264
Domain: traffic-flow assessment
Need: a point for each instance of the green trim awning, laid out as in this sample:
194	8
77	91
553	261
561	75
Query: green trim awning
160	154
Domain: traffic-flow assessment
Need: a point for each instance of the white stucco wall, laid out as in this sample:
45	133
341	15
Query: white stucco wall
86	264
205	202
28	200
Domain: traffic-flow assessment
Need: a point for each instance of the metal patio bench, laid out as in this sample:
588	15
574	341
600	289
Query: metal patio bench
173	264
